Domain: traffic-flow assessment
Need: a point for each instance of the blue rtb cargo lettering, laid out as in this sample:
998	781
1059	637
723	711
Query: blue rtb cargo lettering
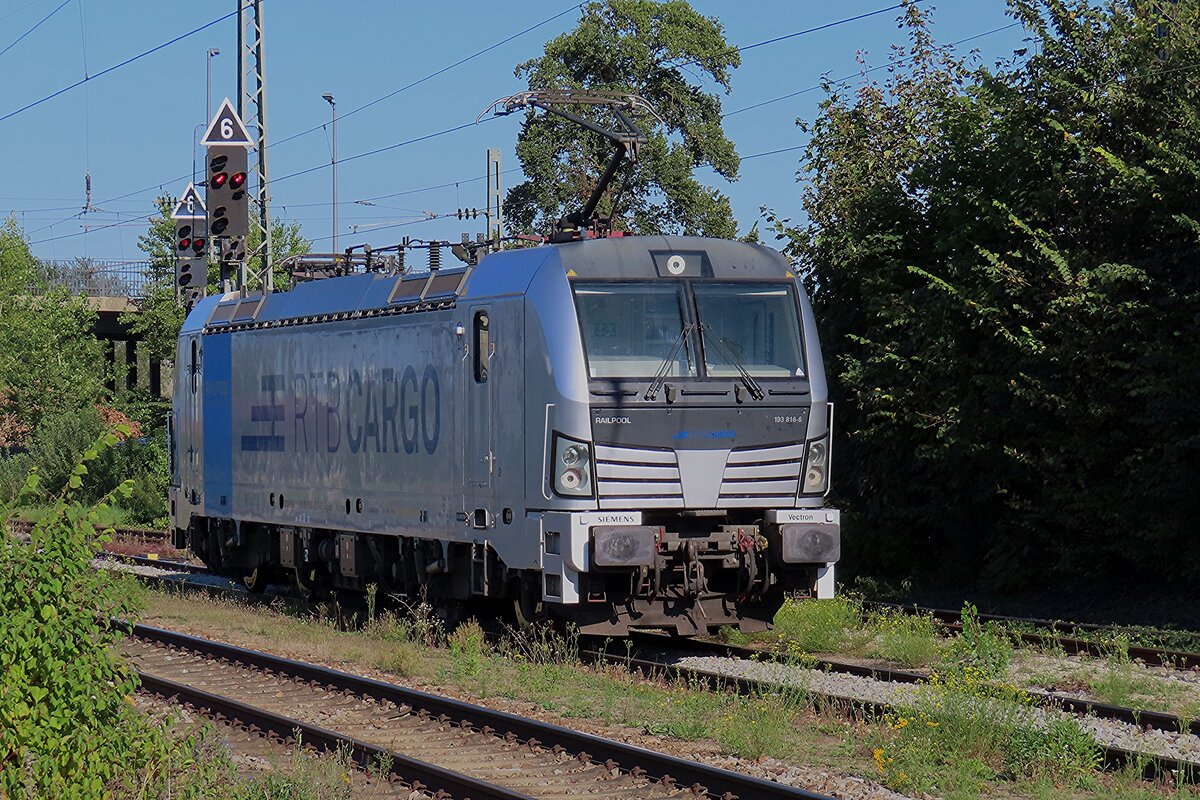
705	435
386	412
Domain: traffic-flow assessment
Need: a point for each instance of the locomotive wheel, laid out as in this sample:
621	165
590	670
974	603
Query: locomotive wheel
255	580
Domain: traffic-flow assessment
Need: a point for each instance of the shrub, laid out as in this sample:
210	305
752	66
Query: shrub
68	727
13	471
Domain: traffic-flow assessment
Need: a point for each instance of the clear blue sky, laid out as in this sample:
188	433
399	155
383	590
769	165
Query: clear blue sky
133	128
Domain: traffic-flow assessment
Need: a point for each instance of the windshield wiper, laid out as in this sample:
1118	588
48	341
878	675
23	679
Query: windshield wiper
751	385
660	377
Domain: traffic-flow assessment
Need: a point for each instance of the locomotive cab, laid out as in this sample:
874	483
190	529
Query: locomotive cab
693	425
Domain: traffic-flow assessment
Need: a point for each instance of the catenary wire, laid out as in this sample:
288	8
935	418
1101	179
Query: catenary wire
431	75
346	114
16	11
852	76
825	26
439	72
35	27
115	67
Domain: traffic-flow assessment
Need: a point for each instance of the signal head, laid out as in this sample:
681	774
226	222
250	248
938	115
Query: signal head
237	180
198	245
218	181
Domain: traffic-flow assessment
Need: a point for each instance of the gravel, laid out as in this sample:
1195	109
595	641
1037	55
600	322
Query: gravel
1112	733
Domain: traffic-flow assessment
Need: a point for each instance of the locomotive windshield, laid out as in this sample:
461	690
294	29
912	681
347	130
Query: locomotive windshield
747	326
642	330
629	330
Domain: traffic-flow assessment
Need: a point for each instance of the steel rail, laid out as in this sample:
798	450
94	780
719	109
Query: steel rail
158	563
666	769
1158	720
418	774
1176	659
1112	757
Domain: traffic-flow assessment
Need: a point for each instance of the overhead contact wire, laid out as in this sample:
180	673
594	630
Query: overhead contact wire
432	75
35	27
124	63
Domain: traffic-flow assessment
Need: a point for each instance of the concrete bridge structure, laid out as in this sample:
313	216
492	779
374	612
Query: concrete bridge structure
112	289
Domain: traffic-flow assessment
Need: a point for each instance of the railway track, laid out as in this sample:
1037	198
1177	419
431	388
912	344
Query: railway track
1113	756
157	563
1056	633
21	526
658	667
432	742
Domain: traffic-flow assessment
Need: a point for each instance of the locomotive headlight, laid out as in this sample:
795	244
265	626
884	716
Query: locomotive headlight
816	467
572	467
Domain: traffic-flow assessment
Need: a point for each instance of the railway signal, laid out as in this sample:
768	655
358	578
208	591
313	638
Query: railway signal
228	142
191	247
228	201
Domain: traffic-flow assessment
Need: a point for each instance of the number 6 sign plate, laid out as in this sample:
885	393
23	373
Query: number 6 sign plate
226	128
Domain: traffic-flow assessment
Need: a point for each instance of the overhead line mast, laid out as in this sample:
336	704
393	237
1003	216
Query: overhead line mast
252	91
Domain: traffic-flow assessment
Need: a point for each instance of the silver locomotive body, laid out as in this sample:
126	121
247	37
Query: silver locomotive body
622	432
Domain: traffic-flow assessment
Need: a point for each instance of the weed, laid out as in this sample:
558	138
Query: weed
372	597
759	726
70	728
962	731
818	626
467	651
905	639
984	649
729	634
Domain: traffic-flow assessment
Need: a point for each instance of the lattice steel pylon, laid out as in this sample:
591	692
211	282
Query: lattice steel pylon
252	91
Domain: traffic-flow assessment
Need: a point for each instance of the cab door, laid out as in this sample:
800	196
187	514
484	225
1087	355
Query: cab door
190	429
480	444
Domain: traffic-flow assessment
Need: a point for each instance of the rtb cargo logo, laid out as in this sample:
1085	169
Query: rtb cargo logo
381	411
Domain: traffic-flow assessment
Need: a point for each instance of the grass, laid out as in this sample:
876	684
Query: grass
199	764
961	738
840	625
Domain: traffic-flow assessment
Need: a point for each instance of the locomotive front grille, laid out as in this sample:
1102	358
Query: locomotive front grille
653	478
762	476
649	478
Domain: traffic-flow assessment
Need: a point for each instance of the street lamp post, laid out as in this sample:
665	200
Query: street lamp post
212	52
333	107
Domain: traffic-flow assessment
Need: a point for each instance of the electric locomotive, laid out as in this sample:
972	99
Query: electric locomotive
621	432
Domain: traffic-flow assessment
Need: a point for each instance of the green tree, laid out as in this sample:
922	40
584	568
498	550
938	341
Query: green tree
159	317
1002	263
50	362
647	48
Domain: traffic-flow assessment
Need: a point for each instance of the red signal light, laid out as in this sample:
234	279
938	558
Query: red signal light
185	243
198	245
219	179
237	181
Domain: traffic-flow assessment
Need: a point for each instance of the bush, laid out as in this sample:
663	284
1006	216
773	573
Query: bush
60	441
68	726
13	471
